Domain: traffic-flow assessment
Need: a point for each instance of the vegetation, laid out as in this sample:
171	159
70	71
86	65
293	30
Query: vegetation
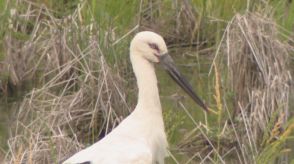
66	79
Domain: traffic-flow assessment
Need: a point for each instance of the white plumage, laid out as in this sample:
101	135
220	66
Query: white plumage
140	138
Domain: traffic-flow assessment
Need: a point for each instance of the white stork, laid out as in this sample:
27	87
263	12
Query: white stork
140	138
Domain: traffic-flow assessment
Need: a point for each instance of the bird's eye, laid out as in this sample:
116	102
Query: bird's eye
153	46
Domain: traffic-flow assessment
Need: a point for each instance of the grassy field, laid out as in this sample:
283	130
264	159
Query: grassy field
66	79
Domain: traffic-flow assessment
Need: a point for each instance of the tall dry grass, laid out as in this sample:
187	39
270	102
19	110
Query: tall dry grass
259	79
80	98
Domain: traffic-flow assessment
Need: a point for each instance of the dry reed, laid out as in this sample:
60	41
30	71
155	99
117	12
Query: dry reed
80	98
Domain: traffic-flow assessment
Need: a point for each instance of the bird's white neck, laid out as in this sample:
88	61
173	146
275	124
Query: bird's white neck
148	98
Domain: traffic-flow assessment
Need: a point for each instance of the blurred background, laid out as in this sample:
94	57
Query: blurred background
66	79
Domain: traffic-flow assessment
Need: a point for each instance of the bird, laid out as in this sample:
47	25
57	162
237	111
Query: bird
140	138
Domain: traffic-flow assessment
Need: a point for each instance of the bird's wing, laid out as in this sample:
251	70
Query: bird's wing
125	144
115	150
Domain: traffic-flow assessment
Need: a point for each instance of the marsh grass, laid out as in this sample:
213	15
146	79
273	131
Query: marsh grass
79	96
259	78
77	85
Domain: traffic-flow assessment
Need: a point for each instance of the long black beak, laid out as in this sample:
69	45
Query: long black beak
168	64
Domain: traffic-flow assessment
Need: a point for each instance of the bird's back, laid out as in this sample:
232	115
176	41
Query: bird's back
135	141
128	152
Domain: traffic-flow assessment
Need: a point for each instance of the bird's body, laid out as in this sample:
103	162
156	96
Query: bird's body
140	138
128	144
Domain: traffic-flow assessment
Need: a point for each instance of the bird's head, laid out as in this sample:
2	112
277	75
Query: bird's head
152	47
149	45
